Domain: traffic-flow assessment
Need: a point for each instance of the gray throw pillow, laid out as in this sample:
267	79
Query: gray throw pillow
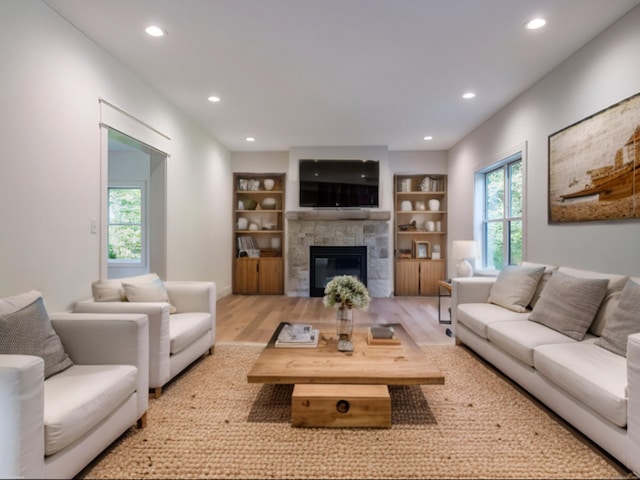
569	304
28	331
624	321
515	286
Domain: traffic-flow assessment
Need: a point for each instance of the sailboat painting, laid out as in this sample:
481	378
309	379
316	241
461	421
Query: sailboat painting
594	166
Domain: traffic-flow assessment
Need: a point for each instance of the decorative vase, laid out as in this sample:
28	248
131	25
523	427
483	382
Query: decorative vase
269	183
434	205
344	322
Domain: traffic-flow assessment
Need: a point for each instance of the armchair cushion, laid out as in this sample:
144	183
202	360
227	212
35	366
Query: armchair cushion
28	331
79	398
186	328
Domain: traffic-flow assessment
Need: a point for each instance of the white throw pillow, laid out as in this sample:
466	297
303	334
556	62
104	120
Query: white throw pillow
153	291
515	287
112	290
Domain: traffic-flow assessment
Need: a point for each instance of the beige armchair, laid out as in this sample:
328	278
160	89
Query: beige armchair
175	339
54	424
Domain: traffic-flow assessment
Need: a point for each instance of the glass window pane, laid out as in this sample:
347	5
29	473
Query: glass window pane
495	243
495	194
515	242
125	243
125	205
515	189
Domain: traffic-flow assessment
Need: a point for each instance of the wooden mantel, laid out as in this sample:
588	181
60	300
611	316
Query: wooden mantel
338	214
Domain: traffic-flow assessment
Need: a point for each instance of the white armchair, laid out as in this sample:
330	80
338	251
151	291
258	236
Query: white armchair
53	428
175	339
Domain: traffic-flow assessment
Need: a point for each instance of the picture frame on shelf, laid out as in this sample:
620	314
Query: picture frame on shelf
421	249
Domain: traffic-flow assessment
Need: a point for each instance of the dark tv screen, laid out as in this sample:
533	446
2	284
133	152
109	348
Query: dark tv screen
339	183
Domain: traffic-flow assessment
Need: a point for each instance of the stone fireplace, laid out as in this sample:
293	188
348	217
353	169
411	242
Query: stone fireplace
369	228
328	261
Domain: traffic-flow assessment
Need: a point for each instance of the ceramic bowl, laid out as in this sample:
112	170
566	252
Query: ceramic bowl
268	203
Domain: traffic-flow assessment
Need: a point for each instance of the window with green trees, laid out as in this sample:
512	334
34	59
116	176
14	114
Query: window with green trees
503	220
125	229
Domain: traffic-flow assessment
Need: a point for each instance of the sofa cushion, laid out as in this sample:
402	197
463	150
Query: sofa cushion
112	290
569	304
624	321
79	398
185	328
476	316
515	287
28	331
519	338
548	270
593	375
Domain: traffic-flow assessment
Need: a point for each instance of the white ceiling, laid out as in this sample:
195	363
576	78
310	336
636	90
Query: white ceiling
341	72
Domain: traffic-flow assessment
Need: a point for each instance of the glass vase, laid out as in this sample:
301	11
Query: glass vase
344	322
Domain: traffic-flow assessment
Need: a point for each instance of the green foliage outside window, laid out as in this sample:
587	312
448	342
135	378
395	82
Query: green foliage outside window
125	224
503	215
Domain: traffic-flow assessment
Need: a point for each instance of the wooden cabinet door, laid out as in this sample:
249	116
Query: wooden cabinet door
407	277
271	276
246	276
431	271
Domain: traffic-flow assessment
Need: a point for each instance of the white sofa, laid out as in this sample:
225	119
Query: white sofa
595	390
175	339
53	428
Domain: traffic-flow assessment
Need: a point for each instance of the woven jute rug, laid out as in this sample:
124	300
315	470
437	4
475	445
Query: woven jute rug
210	423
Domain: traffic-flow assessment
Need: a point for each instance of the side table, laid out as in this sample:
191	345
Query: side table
444	290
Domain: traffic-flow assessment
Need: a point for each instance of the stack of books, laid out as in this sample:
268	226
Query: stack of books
297	335
382	335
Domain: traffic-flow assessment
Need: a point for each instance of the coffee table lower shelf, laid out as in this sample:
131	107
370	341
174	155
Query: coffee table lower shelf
339	405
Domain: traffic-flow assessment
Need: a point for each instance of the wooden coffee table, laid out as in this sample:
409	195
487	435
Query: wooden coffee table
336	389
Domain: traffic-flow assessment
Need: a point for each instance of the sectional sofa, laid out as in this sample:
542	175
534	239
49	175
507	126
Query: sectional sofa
567	337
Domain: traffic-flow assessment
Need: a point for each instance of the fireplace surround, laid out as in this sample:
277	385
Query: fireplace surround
365	227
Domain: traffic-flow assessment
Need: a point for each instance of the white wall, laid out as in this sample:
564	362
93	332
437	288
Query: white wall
602	73
50	162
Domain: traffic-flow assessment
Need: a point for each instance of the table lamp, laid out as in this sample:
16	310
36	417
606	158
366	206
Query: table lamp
463	249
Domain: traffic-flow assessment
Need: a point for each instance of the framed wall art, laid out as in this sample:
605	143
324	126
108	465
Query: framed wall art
594	166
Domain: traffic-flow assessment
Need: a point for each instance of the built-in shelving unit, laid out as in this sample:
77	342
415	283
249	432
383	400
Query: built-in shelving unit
420	237
258	233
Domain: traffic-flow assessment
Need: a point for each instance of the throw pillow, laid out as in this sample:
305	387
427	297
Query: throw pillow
515	286
153	291
28	331
112	290
17	302
568	304
624	321
548	270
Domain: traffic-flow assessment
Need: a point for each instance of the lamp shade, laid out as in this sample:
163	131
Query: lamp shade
463	249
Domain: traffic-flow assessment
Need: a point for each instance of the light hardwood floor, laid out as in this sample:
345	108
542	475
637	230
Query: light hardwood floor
253	318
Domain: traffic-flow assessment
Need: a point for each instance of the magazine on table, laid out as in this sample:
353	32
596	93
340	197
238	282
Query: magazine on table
297	335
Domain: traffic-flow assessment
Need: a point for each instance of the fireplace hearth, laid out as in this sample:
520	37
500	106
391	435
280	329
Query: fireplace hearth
326	262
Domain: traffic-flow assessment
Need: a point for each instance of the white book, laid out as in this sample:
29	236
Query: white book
297	335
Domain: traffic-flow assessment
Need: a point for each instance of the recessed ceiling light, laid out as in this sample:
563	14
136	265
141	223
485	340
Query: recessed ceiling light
251	139
428	137
468	95
536	23
213	98
155	31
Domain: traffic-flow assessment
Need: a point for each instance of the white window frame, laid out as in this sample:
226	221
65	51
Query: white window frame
144	225
499	161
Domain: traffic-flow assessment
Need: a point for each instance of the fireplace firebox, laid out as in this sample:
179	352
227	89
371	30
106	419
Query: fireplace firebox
328	261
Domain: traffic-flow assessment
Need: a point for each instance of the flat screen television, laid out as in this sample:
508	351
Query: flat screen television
339	183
